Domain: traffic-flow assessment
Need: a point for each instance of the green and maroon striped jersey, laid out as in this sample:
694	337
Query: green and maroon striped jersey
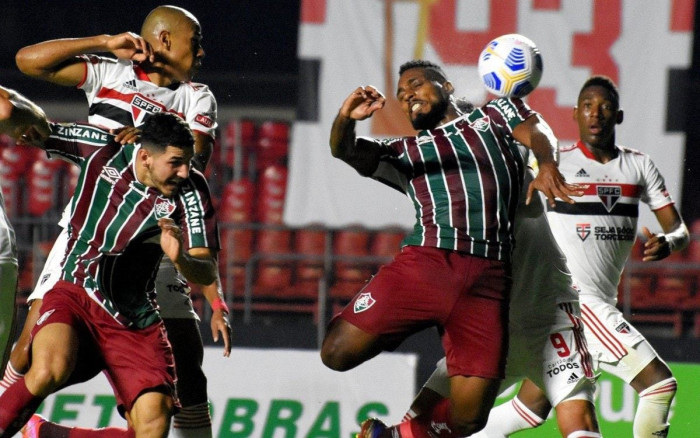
114	249
463	177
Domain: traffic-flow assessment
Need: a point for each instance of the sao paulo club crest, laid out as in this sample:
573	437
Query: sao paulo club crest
363	302
609	196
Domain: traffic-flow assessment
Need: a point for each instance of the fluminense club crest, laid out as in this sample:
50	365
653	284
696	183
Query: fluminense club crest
363	302
163	207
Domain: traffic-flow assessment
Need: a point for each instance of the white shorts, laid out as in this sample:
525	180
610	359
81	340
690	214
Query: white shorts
615	345
172	292
555	358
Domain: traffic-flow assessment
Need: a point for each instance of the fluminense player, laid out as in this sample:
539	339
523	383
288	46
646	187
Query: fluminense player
132	205
463	174
152	73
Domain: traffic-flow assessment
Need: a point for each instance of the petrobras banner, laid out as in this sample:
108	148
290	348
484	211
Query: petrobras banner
269	393
643	45
616	404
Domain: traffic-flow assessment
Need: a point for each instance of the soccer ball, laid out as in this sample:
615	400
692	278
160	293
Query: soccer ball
510	66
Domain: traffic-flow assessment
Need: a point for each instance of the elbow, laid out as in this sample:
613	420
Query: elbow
23	60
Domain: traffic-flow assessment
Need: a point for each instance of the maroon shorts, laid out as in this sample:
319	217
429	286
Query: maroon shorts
465	296
135	360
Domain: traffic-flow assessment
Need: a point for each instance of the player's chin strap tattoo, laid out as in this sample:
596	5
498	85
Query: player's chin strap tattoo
678	238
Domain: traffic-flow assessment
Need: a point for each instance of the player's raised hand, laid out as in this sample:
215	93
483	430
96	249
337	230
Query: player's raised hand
129	45
126	134
552	183
362	103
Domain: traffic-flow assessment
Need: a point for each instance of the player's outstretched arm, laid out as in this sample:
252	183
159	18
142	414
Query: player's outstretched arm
359	105
220	314
56	60
536	134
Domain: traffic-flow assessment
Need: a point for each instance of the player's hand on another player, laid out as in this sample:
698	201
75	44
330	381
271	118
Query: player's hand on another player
126	134
362	103
552	183
129	45
170	239
220	324
656	247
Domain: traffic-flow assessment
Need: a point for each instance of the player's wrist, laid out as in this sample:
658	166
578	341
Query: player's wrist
219	305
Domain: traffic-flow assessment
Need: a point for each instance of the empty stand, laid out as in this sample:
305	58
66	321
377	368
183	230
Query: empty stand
351	267
272	143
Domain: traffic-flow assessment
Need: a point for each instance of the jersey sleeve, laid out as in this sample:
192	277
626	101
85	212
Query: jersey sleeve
201	116
508	113
655	193
389	171
198	222
75	141
97	69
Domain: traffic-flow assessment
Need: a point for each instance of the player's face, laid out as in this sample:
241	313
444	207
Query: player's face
422	100
596	115
167	170
186	51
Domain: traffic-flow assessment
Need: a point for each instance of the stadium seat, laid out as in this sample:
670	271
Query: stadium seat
238	141
42	182
310	244
351	271
272	143
237	237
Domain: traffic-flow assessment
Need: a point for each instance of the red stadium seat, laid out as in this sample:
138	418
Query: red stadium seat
308	272
350	275
272	143
238	140
273	188
43	184
237	240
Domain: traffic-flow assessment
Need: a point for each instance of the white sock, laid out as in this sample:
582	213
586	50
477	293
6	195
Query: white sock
508	418
651	418
192	422
10	377
584	434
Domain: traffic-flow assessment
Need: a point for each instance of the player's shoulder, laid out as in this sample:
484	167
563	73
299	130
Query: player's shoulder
568	149
632	153
197	88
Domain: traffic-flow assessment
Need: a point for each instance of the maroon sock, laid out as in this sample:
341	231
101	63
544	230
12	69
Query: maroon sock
17	404
54	430
435	423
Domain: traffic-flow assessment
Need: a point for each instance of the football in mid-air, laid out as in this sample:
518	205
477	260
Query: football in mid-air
510	66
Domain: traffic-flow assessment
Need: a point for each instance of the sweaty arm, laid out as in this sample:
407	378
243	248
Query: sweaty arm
57	60
360	154
536	134
198	264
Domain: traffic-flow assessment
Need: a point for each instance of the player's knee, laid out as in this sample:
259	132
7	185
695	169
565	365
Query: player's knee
468	425
45	378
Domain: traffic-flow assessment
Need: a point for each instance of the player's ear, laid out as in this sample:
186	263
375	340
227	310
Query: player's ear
574	113
448	87
165	39
620	116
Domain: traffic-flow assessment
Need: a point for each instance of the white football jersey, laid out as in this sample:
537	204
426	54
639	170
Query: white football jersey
120	94
598	231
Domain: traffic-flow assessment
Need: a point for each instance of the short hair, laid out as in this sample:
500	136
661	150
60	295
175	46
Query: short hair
433	71
605	82
161	130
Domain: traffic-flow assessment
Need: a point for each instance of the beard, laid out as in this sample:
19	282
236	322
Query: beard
431	119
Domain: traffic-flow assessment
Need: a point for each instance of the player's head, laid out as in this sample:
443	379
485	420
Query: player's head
167	147
598	111
176	38
424	93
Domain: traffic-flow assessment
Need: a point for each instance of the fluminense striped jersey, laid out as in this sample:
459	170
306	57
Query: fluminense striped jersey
113	249
121	94
463	177
597	232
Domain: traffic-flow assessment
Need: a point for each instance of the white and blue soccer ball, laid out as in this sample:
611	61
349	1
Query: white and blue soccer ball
510	66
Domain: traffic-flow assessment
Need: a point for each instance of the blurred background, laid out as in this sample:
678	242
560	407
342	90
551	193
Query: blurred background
300	233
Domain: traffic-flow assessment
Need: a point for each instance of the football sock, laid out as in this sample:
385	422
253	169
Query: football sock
10	377
192	422
584	434
17	404
651	418
433	424
508	418
53	430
